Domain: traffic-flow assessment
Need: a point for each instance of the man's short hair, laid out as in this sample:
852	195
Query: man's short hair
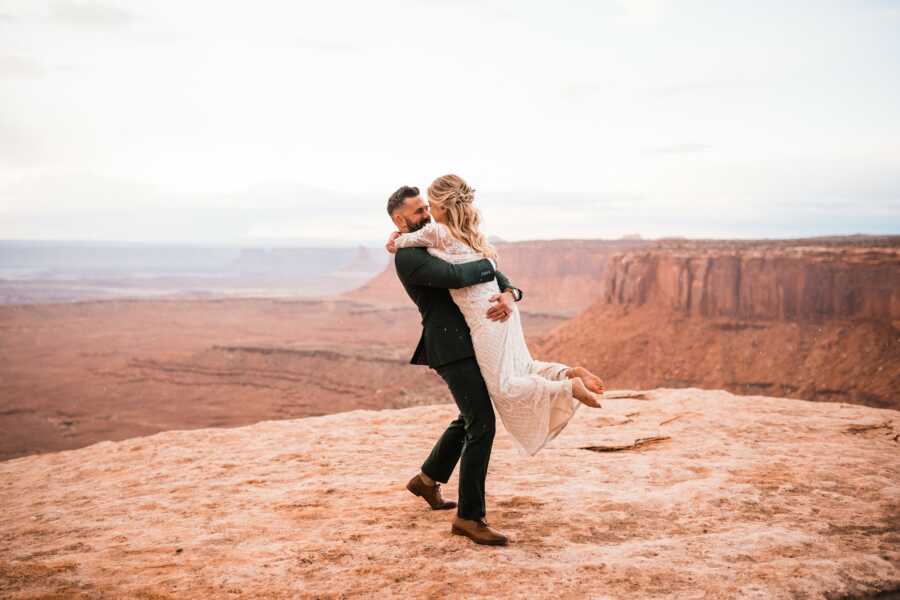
399	197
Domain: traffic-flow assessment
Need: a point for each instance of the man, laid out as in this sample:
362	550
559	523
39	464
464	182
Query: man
446	347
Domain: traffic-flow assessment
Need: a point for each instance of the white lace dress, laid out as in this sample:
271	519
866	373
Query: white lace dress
533	398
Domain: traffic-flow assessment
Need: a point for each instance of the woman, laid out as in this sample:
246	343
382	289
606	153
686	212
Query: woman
535	399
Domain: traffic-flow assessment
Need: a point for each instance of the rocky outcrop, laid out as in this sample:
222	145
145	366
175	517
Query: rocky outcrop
817	320
645	347
560	277
760	282
665	494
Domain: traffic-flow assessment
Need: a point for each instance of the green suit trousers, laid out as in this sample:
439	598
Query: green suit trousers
468	439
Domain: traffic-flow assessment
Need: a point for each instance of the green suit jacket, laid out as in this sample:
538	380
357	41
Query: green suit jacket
426	278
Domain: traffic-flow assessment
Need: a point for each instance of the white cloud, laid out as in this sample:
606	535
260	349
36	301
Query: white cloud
80	13
686	148
638	115
20	67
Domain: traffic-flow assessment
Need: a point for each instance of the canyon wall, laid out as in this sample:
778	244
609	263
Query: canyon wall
804	319
760	282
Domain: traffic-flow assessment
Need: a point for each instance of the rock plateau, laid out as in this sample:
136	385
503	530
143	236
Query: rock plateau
666	493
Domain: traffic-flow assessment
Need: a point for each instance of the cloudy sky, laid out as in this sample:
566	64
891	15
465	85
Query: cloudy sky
223	121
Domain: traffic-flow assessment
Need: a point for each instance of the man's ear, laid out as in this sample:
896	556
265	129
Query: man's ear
397	218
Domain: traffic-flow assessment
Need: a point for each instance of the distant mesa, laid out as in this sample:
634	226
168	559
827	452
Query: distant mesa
308	261
365	260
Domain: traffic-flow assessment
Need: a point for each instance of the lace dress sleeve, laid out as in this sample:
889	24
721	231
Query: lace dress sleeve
430	236
441	242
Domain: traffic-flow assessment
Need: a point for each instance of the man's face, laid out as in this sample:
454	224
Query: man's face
412	215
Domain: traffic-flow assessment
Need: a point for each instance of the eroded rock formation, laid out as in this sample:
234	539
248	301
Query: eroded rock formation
760	281
813	319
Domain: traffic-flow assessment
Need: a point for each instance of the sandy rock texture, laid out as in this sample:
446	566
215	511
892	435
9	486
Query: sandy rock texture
668	493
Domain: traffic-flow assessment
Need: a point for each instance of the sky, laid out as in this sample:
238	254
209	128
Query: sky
210	121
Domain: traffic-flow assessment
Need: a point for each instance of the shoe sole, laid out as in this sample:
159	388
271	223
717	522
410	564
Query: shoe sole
459	531
415	493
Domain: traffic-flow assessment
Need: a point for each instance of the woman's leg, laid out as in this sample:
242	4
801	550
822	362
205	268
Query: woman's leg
550	370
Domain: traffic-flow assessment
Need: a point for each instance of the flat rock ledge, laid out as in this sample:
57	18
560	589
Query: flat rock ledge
666	493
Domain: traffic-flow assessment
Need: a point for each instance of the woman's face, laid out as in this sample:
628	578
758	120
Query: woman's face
436	210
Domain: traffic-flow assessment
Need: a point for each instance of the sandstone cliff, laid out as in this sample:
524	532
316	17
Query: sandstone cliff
760	281
807	319
667	494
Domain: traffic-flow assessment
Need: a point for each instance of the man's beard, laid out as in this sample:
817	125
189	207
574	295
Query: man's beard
410	227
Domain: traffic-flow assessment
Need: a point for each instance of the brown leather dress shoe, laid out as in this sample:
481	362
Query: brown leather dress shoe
478	531
432	494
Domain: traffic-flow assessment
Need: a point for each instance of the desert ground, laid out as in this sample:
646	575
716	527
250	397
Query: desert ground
664	493
81	372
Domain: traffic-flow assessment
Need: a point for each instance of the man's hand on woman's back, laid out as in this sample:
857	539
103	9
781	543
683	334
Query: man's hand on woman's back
503	308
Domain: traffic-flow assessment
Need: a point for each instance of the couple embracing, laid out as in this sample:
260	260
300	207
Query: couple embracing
472	336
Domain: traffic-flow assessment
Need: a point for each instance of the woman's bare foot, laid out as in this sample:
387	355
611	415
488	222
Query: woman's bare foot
591	381
584	395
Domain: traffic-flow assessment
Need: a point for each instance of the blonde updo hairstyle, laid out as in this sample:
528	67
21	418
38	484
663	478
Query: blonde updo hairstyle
456	197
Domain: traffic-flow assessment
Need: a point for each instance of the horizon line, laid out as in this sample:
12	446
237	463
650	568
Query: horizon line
313	242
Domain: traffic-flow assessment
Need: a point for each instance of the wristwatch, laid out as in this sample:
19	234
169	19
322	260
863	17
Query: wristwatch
517	293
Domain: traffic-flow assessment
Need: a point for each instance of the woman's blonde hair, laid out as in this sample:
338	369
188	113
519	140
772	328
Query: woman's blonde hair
455	196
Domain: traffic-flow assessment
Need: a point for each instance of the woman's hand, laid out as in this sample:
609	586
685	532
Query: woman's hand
390	247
